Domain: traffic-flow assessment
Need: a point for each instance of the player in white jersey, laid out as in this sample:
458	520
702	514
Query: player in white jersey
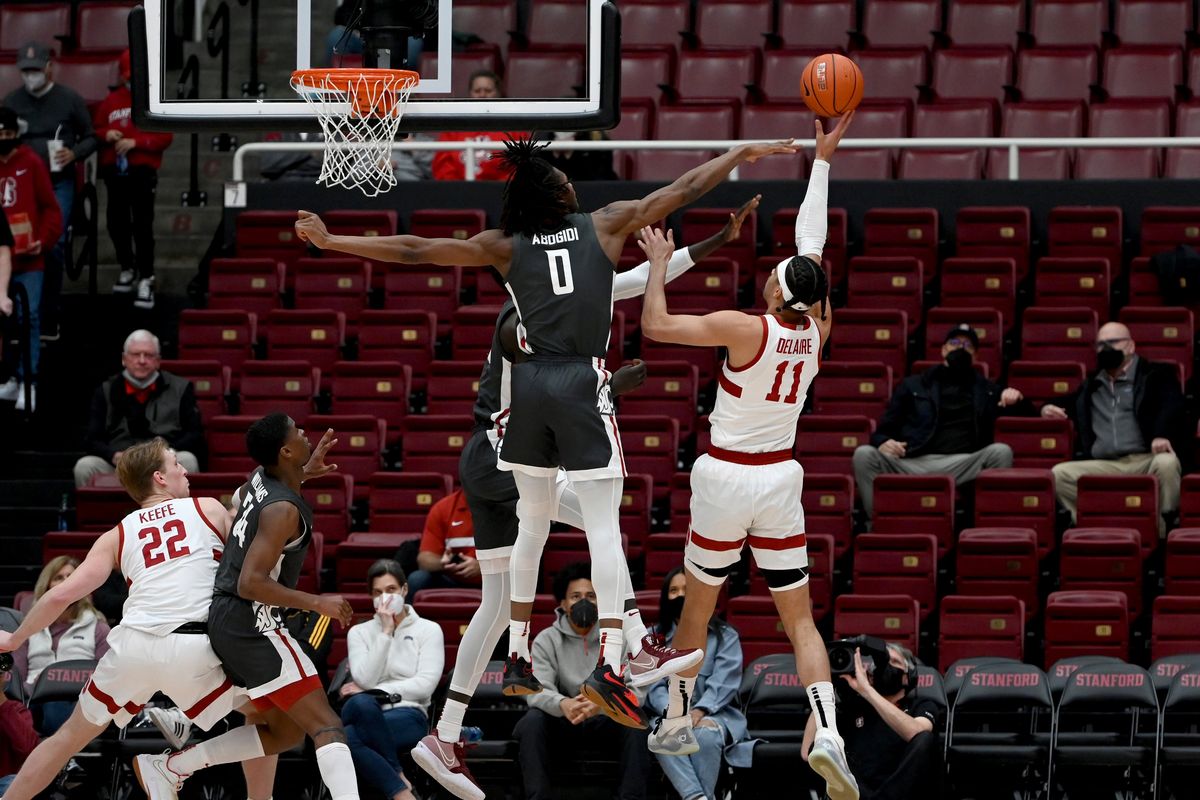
746	489
168	552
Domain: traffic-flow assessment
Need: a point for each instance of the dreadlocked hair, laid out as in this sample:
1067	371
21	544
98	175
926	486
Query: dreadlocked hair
534	200
808	282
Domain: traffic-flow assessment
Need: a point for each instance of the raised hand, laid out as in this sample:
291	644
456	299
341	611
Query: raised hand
733	228
753	152
629	377
310	228
658	248
316	466
827	143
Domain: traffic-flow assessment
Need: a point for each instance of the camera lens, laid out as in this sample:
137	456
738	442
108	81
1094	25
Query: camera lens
6	662
839	659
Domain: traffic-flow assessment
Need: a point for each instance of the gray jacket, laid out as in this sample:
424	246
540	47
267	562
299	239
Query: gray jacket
562	660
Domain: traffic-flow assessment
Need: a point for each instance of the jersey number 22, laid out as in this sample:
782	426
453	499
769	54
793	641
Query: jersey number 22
154	551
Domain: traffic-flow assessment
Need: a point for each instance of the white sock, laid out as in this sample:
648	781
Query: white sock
337	771
822	700
449	727
631	619
239	744
612	648
679	694
518	638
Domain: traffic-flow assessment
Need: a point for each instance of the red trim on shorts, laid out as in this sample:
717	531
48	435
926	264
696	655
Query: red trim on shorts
729	386
217	554
212	527
290	649
750	459
762	348
712	545
286	697
208	700
792	542
108	701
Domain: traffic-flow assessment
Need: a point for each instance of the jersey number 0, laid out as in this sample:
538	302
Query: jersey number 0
560	271
154	551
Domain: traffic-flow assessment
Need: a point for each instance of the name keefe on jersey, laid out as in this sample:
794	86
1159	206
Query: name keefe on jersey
568	235
799	347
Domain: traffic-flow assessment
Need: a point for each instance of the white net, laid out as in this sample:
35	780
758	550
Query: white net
360	112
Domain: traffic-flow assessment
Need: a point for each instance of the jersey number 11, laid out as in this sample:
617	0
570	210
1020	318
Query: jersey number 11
780	371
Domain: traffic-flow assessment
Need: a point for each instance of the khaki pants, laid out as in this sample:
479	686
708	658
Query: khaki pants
1164	466
963	467
89	466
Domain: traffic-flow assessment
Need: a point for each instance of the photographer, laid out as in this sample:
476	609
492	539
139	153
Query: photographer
889	732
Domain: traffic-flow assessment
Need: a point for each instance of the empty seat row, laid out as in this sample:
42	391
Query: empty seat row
98	26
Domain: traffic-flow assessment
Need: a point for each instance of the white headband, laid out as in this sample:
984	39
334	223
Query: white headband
781	276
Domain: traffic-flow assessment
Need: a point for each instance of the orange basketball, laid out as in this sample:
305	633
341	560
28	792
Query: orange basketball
831	85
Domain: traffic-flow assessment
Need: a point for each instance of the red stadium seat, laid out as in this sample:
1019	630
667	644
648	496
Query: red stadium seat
224	336
1086	231
829	508
313	336
757	623
654	22
220	485
713	283
1153	22
650	446
664	552
1163	333
359	451
544	74
10	79
671	389
245	284
67	543
1143	72
1103	558
556	24
338	284
1017	498
476	57
894	617
436	290
360	550
1063	119
901	23
974	73
1068	22
407	337
999	561
878	335
1127	501
1073	281
693	121
276	385
378	388
453	388
474	327
330	498
1183	561
452	614
97	508
904	232
432	443
874	120
1036	443
227	444
993	232
1086	623
987	323
897	563
893	74
645	70
491	21
816	24
776	121
921	503
1184	162
1136	118
982	282
960	118
826	443
1166	227
977	626
716	74
102	26
1189	500
211	381
734	23
976	23
269	234
447	223
1144	287
1175	626
400	501
704	360
701	223
1057	74
852	387
637	122
34	22
355	222
888	281
1065	333
637	499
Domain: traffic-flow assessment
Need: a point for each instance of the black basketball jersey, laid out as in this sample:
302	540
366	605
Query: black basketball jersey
492	399
562	284
259	492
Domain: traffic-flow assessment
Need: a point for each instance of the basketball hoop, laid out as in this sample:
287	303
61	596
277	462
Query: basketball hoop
360	111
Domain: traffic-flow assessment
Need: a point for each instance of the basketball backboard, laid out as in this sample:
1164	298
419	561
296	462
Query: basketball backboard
559	61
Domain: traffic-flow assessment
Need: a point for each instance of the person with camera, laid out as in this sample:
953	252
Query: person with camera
889	730
396	660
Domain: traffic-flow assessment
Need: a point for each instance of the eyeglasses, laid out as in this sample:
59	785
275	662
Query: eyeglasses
964	343
1111	342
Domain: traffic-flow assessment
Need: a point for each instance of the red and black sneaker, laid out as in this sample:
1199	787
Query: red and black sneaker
607	689
447	764
518	677
656	661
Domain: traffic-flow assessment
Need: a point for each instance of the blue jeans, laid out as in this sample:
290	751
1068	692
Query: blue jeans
32	281
51	716
6	782
376	738
696	775
431	580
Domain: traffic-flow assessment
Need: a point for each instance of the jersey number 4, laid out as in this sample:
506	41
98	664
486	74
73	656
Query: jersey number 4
560	271
780	372
155	551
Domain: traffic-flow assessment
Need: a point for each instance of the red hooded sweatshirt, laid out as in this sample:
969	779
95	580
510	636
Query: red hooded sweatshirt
451	165
115	113
17	736
27	198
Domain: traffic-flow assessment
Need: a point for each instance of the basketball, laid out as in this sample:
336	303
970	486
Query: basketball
831	85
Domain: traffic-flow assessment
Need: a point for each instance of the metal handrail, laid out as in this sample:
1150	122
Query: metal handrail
1013	145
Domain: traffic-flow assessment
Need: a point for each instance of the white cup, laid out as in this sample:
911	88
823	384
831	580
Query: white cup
53	146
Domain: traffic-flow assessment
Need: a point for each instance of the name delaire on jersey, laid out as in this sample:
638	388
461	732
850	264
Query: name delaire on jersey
799	347
568	235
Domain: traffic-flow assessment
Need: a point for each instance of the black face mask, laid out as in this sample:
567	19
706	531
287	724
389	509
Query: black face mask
888	680
960	363
1109	358
583	614
8	145
673	610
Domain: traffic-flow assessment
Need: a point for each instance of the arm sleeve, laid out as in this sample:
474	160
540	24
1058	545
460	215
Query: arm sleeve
95	442
433	539
367	648
632	282
16	729
545	669
721	687
812	223
101	643
85	145
431	660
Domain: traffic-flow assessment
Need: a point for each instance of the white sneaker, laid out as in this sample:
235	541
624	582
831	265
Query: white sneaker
32	398
173	724
673	737
125	281
145	293
828	759
8	390
157	780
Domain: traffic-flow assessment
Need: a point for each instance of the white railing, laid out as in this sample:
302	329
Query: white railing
1013	145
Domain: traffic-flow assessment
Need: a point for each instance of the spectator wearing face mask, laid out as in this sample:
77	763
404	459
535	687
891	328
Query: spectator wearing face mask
396	660
940	422
1129	418
562	725
56	119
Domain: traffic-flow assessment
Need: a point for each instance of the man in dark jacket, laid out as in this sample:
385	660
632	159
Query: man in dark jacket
137	404
939	422
1130	418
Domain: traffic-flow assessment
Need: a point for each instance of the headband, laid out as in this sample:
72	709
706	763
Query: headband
789	299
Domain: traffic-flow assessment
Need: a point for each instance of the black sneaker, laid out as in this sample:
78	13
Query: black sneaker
518	677
607	689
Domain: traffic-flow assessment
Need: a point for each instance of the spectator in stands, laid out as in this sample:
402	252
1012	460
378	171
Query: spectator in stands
716	718
396	660
80	633
6	273
137	404
17	734
129	164
582	165
447	556
35	221
889	730
55	117
939	422
1130	418
451	165
561	722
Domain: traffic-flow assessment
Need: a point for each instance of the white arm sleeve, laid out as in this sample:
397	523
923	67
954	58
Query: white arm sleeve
632	282
812	223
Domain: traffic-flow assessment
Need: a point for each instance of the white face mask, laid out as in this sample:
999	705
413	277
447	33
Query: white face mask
389	603
34	81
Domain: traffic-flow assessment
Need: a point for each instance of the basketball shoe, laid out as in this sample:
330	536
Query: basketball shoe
159	781
657	661
828	759
518	677
607	689
673	737
173	724
447	764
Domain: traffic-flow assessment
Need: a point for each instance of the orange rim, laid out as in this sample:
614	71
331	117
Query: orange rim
360	85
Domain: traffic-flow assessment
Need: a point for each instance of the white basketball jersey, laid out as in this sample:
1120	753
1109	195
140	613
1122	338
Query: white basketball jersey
758	404
168	555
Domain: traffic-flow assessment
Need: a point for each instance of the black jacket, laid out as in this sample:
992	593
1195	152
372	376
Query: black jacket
117	420
1157	403
912	414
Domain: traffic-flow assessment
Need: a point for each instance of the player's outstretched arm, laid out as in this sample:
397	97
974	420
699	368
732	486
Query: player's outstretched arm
88	577
485	249
812	221
721	328
632	283
626	216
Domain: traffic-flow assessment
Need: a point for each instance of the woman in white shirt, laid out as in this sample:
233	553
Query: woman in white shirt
396	660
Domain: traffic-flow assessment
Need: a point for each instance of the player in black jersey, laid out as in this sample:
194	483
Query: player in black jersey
257	578
558	265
